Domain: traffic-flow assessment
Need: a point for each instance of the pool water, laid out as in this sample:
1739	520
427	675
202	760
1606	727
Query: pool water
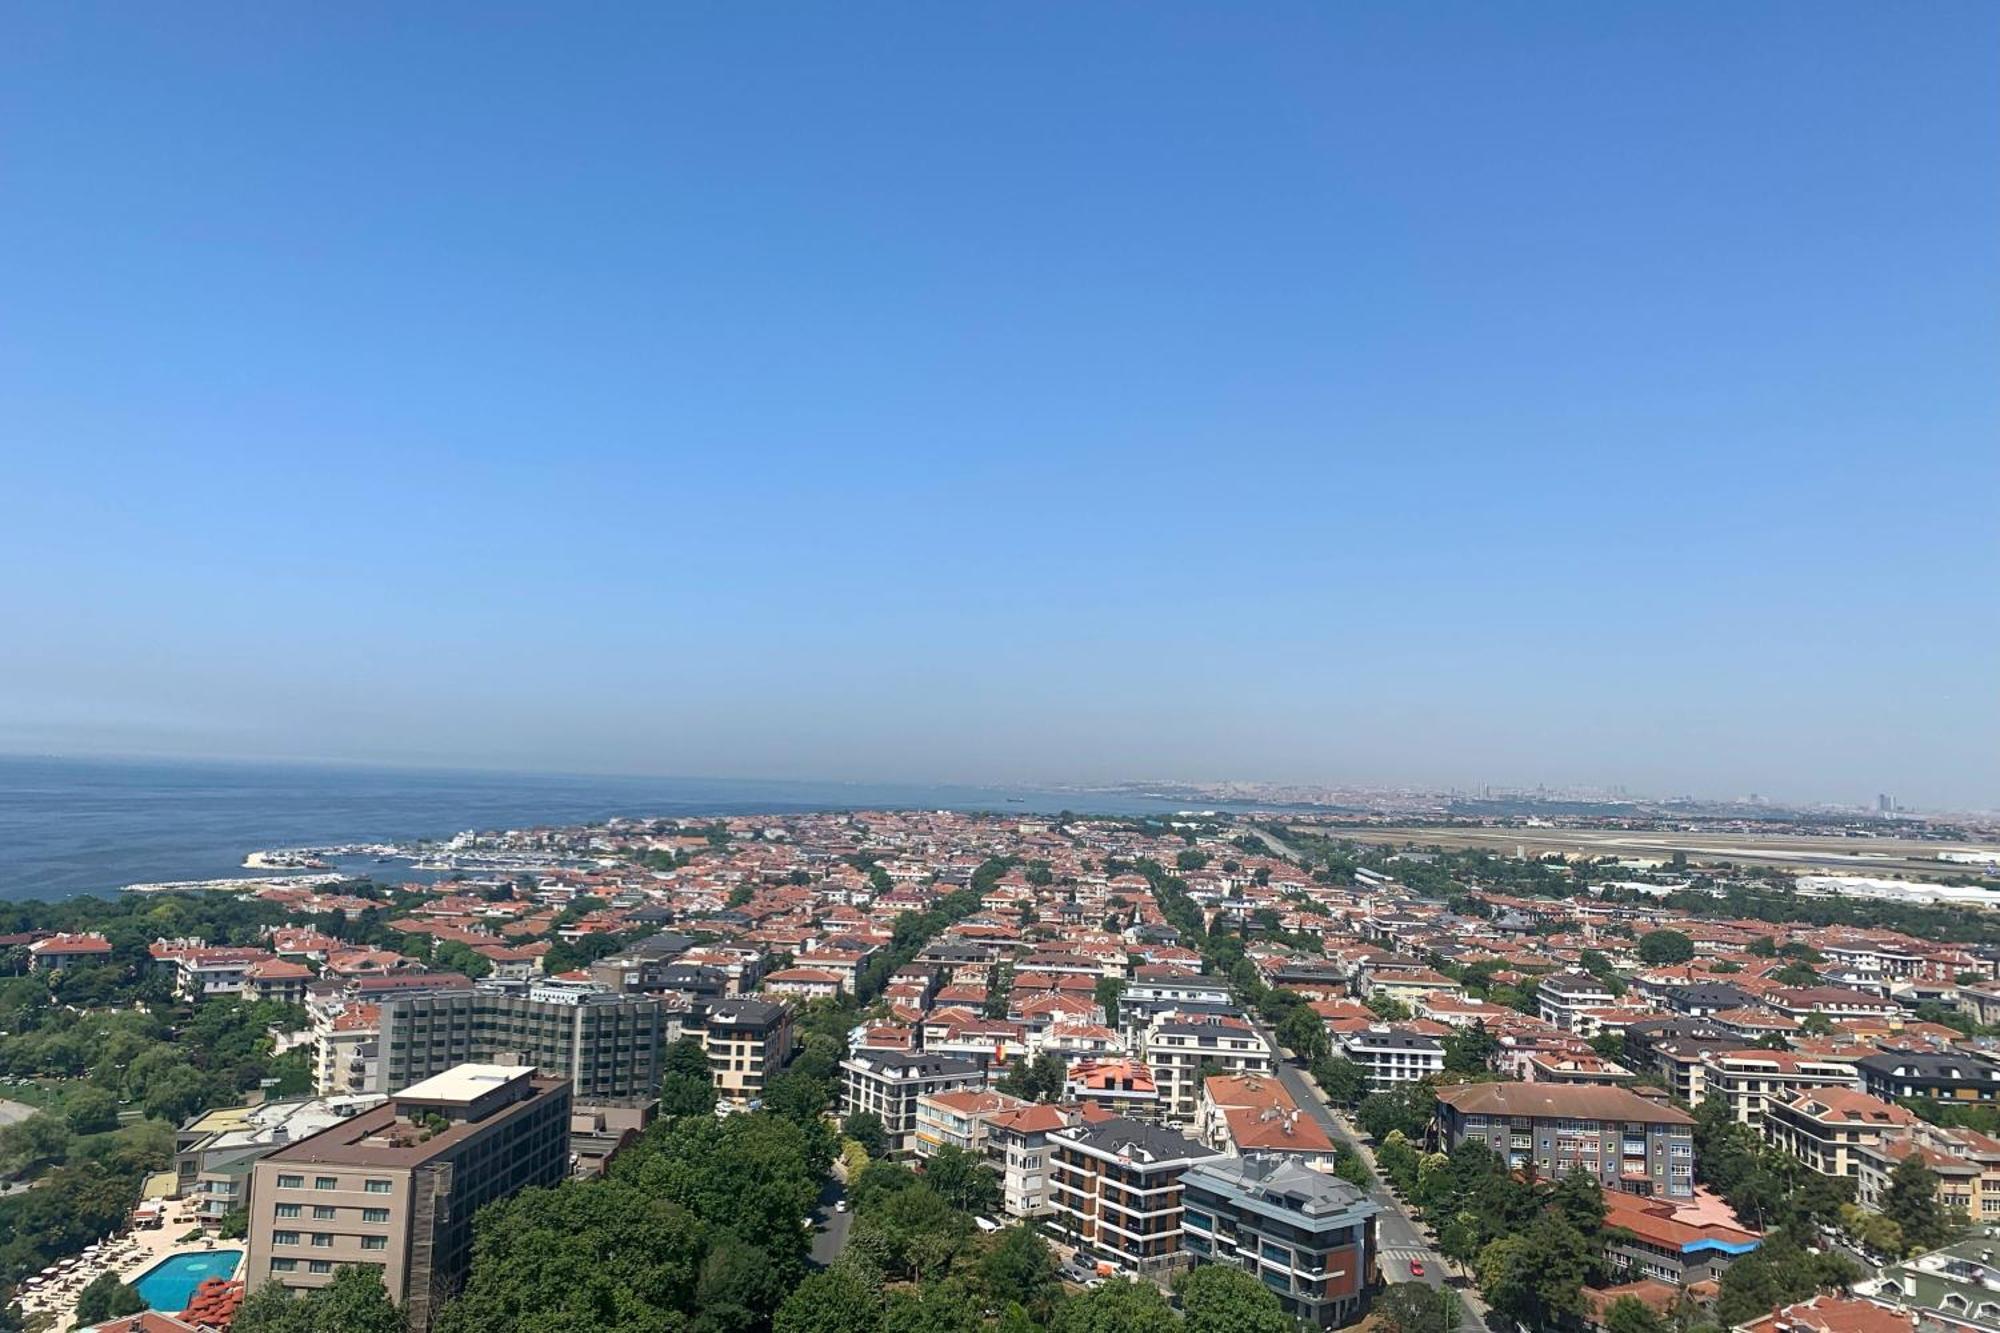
169	1285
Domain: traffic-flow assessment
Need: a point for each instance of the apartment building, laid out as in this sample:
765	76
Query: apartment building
748	1043
1628	1142
1176	1048
1833	1002
1017	1142
1308	1236
1160	988
1949	1076
1826	1128
396	1187
609	1045
1563	997
1390	1058
1115	1191
1746	1080
888	1084
960	1119
1965	1162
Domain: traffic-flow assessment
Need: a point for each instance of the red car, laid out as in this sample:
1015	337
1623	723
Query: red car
1416	1268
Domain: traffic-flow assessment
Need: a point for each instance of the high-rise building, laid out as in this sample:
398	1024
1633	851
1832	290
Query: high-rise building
607	1044
396	1187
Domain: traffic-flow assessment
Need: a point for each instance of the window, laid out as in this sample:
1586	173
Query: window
374	1214
322	1240
379	1187
288	1210
326	1182
291	1182
322	1213
374	1242
320	1266
284	1265
284	1237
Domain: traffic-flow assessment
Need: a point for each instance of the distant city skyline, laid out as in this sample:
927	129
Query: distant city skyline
1437	395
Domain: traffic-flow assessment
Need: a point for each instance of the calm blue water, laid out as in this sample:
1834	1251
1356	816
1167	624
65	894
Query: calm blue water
72	826
169	1285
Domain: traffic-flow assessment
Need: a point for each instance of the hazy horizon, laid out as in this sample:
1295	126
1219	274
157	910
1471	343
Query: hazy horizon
1433	396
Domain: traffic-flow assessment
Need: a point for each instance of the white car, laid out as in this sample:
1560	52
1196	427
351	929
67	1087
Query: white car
840	1205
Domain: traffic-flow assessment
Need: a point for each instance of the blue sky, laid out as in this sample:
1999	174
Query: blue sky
1433	393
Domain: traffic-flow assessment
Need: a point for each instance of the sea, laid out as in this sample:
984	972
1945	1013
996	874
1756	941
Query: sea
93	826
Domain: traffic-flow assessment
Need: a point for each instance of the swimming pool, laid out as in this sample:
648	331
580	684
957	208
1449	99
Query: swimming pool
169	1285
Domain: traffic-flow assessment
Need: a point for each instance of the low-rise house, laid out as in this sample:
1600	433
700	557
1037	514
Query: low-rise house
60	951
1252	1113
1668	1244
1122	1087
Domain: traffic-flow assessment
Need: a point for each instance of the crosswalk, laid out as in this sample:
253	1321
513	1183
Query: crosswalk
1395	1260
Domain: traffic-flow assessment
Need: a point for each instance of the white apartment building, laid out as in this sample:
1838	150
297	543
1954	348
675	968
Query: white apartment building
1177	1047
888	1084
1389	1057
1564	997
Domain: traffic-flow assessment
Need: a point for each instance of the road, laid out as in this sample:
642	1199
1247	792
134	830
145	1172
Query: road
829	1227
1397	1238
1278	848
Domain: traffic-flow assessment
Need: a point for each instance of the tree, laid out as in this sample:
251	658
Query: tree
1019	1267
1109	991
354	1302
1305	1033
1629	1314
1763	946
1796	974
1116	1307
1221	1298
1911	1202
1387	1008
962	1180
866	1129
1412	1307
738	1289
838	1300
685	1094
1662	947
1470	1050
942	1307
1342	1080
687	1056
798	1097
42	1137
91	1110
107	1298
